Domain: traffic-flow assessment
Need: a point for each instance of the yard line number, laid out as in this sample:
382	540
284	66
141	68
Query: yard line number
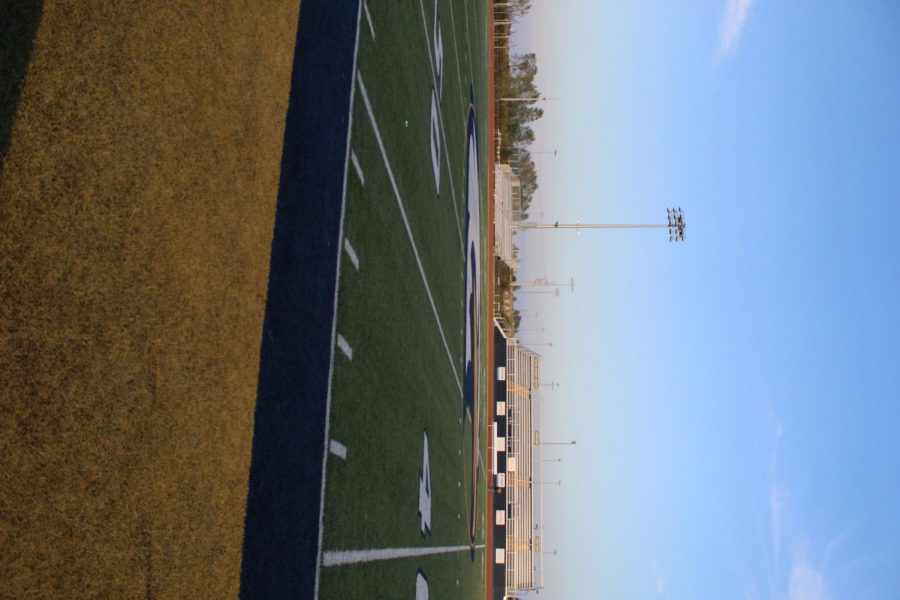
435	147
425	491
436	97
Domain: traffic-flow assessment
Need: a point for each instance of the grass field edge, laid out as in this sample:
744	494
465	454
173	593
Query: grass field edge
489	413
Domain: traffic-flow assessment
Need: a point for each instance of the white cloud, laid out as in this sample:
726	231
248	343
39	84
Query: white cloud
732	24
807	582
778	495
777	504
789	573
659	579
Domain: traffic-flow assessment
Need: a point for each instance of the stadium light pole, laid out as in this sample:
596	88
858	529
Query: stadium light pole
550	344
526	99
675	225
557	482
538	442
542	282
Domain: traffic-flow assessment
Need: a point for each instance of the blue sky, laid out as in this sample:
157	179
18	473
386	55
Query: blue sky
735	398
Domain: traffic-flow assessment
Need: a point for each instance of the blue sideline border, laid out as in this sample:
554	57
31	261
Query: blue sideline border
283	500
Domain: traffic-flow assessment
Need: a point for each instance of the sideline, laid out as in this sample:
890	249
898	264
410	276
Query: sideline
290	437
489	413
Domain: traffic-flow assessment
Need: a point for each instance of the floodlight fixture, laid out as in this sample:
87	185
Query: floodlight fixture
676	224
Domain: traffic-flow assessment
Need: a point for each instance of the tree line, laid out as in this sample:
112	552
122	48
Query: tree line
514	78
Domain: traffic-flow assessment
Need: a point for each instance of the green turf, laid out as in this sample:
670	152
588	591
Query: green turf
399	382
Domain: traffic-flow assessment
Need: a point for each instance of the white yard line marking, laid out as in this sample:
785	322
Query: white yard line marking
456	54
336	558
344	346
443	128
356	166
469	40
337	284
412	241
338	449
369	19
351	253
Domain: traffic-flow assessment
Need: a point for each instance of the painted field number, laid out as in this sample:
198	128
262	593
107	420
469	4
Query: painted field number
421	586
425	490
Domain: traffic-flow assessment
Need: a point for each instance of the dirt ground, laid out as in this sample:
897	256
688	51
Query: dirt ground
136	211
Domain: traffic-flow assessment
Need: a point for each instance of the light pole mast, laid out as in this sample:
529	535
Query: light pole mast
675	225
542	282
525	99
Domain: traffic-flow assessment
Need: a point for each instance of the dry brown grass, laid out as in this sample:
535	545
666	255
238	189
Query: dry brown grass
136	213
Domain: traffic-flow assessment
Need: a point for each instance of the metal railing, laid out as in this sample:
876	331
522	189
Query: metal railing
520	365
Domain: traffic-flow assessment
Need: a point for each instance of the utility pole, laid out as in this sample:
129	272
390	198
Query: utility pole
675	225
538	442
532	345
542	282
525	99
555	291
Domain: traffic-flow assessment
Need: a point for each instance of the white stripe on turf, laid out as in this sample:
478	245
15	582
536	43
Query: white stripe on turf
443	128
336	558
351	253
469	40
344	346
337	285
412	241
456	54
356	166
369	19
338	449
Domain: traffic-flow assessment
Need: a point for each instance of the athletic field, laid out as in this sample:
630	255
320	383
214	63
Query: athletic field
244	298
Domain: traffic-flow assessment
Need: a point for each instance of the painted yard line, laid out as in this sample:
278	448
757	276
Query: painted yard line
469	40
358	168
344	346
338	449
412	241
369	19
456	54
434	83
351	253
337	558
334	332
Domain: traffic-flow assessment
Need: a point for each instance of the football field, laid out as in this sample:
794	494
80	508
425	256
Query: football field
403	485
